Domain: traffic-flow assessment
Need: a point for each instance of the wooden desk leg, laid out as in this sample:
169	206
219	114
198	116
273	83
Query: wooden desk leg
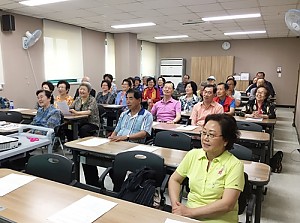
258	204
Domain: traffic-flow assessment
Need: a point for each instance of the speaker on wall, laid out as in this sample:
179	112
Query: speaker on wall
8	22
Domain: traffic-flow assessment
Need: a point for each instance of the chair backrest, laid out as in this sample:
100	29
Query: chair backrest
11	116
52	167
134	160
102	111
174	140
241	152
249	126
58	130
244	195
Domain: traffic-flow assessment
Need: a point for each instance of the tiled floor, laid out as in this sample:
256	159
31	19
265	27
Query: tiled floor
282	202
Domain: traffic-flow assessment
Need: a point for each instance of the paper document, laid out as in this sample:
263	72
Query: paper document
94	142
13	181
19	109
187	127
254	119
10	127
85	210
155	123
63	107
143	148
168	220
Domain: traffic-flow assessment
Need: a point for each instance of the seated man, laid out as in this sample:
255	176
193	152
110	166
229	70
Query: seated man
259	82
181	85
46	116
206	107
268	84
211	80
134	125
223	99
168	109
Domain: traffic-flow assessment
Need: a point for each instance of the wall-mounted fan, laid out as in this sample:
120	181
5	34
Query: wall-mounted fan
31	38
292	20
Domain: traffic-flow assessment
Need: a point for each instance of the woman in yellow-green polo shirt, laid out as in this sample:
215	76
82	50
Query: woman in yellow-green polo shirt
216	177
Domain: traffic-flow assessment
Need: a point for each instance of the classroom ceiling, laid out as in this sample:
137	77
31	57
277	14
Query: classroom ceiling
173	17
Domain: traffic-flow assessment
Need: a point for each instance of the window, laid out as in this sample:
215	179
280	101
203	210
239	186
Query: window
62	51
110	54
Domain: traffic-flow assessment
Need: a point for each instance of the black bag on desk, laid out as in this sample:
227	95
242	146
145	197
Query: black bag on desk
276	162
139	187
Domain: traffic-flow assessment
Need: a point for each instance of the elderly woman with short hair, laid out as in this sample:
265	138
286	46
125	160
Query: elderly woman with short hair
86	104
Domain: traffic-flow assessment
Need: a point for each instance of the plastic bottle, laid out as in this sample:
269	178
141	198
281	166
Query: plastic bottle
11	104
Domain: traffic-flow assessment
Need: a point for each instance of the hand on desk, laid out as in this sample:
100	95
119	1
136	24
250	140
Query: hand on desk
181	209
117	138
73	112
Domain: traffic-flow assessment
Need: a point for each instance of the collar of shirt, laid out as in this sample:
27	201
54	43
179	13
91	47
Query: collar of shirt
141	112
213	103
171	100
222	158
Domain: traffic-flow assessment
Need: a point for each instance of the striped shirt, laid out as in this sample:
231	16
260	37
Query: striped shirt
128	124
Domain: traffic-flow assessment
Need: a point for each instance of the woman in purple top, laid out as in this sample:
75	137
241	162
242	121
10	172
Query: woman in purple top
168	109
160	85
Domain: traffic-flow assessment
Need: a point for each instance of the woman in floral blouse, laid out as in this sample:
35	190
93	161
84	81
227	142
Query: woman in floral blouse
190	99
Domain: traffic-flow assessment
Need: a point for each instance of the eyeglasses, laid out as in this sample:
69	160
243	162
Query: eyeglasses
209	135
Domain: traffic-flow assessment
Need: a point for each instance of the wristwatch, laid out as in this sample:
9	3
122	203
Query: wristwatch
127	137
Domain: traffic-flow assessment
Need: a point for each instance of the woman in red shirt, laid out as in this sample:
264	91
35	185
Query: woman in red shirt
151	94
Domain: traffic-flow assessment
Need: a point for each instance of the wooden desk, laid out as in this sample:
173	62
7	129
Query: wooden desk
245	135
268	125
71	119
39	199
259	173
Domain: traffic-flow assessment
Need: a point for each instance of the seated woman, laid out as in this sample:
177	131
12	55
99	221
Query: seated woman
105	97
46	116
260	107
63	90
216	177
190	98
121	96
86	104
167	109
160	85
151	94
48	86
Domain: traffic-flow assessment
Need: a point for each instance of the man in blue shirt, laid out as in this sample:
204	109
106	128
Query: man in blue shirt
134	125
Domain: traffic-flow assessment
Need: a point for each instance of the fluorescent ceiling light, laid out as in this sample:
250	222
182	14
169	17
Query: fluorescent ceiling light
243	33
133	25
245	16
171	37
40	2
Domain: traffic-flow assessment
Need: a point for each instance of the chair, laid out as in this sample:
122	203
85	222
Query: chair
11	116
247	200
53	167
132	161
249	126
174	140
58	133
241	152
102	114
